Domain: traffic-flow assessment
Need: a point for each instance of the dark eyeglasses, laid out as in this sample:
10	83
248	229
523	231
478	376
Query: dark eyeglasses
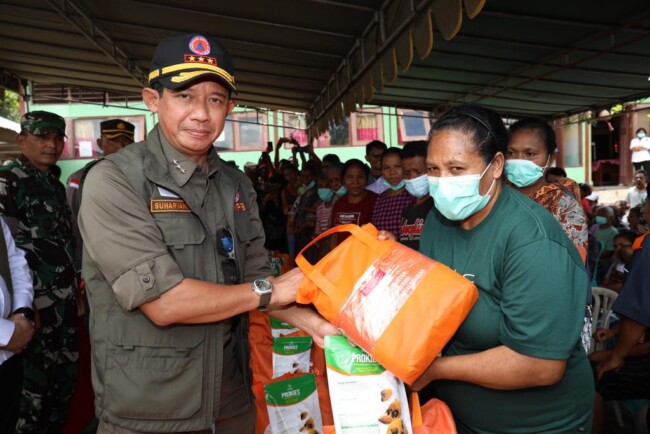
226	249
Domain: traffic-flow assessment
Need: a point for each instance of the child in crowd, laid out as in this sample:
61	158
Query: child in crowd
387	212
357	204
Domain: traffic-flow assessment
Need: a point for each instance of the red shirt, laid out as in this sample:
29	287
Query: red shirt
344	212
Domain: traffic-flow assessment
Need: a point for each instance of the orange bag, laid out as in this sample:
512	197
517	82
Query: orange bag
398	305
434	417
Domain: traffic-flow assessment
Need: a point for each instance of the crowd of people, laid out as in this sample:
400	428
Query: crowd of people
163	248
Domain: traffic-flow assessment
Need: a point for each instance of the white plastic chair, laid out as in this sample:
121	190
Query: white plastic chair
603	300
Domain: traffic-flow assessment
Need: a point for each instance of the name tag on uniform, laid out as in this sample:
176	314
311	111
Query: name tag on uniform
168	205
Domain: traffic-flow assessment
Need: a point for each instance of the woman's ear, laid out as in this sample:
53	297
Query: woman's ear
498	163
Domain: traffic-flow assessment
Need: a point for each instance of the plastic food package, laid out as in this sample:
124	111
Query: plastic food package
293	406
281	328
366	398
397	304
291	355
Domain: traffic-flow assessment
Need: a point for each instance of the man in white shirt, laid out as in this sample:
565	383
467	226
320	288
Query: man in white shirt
637	195
374	151
16	325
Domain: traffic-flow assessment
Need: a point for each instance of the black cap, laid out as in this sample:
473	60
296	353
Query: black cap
117	127
181	60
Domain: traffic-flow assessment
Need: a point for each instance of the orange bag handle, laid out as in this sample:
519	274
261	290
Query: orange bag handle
316	276
416	410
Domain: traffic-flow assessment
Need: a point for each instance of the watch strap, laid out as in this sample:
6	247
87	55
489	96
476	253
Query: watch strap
27	312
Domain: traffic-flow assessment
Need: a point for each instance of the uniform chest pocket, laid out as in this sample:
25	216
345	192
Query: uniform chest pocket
185	240
180	232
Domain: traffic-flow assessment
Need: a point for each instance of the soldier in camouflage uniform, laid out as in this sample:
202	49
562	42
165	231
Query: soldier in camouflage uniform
33	203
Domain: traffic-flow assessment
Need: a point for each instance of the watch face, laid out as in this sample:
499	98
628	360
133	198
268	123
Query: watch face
263	285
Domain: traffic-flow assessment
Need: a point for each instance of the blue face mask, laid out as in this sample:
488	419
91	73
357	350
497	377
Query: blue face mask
523	173
341	191
325	194
458	197
601	220
394	187
419	186
640	135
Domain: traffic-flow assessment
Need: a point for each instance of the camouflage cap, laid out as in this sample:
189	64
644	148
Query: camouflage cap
40	123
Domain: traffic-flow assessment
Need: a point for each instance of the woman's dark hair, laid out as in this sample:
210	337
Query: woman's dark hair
339	167
417	148
557	171
484	125
641	129
539	126
355	163
391	151
627	234
332	158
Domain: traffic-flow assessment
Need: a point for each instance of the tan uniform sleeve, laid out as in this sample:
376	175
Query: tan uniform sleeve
122	238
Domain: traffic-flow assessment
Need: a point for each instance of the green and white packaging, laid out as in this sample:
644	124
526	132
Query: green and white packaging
366	398
291	355
293	406
281	328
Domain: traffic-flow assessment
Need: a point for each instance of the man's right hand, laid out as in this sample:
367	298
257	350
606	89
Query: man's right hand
23	333
285	287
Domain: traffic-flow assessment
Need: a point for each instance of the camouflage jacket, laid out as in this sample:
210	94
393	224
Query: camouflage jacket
34	206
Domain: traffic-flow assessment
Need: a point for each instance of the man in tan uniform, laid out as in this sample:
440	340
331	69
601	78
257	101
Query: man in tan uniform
170	235
115	134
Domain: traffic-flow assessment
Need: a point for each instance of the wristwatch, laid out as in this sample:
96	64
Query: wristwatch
263	288
27	312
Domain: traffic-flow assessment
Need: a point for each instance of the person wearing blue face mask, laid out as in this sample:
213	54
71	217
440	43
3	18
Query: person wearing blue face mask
604	231
516	364
414	168
640	147
387	212
531	149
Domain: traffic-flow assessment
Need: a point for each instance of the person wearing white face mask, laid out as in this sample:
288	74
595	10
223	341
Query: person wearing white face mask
516	364
640	147
414	169
387	212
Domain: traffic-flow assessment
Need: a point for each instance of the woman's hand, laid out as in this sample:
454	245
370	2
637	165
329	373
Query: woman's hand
306	319
385	235
285	287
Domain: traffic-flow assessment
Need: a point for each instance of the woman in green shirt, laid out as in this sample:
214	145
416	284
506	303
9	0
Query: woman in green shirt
516	364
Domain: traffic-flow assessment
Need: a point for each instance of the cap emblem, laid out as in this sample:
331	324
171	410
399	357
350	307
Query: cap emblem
199	45
121	126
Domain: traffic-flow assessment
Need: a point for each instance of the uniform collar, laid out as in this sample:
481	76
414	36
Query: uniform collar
54	170
180	167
